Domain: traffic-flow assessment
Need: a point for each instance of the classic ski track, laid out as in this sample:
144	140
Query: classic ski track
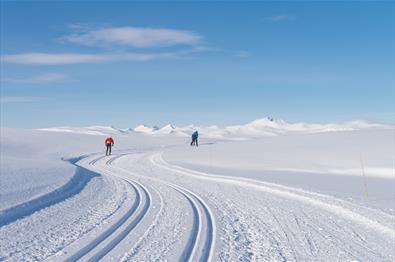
153	224
142	201
202	216
158	214
285	192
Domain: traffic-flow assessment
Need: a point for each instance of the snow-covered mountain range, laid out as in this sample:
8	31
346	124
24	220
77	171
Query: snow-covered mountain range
255	129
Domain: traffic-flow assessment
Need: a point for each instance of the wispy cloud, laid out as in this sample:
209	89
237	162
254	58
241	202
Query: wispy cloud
22	99
41	79
242	54
140	37
78	58
281	17
136	37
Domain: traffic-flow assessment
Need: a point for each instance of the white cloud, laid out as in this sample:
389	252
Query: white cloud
281	17
77	58
242	54
50	59
139	37
22	99
47	78
106	36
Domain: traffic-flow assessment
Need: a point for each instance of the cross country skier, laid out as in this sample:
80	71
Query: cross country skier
109	143
195	136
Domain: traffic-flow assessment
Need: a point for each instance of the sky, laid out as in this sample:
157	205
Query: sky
82	63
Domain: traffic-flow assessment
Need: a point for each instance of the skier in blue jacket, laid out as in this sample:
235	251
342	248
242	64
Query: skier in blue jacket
195	136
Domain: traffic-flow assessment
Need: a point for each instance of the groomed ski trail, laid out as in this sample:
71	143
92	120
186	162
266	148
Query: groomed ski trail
98	247
200	245
164	212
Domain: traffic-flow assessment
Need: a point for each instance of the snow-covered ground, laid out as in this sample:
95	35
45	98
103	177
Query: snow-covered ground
286	192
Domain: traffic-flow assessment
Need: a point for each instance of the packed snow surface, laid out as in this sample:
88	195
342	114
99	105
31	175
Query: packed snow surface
272	192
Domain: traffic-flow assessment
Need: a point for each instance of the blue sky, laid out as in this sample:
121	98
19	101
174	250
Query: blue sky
127	63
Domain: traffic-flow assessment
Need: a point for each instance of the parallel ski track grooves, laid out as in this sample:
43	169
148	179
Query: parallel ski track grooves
196	203
110	231
190	251
196	224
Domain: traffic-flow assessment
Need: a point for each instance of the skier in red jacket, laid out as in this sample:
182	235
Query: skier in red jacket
109	143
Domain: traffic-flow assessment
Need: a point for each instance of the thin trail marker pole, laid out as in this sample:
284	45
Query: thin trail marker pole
364	177
211	157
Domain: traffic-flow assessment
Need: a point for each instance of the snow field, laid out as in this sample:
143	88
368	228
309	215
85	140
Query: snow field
156	199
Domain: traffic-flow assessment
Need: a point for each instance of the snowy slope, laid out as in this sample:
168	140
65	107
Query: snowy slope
90	130
145	129
156	198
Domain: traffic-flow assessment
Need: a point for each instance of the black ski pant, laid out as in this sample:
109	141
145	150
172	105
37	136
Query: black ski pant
108	151
194	142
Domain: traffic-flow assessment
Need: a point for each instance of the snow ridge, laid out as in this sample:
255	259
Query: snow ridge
74	186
